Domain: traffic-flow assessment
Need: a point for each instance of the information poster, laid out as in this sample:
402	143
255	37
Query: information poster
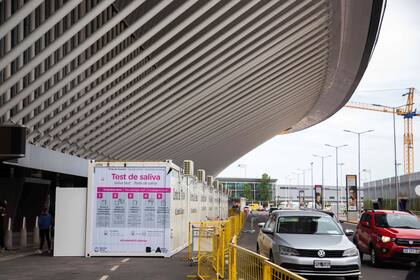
351	192
129	211
318	197
301	199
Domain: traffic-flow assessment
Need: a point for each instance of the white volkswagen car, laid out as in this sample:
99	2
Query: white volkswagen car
309	243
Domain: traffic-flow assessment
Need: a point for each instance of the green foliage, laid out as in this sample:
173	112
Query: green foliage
264	186
248	192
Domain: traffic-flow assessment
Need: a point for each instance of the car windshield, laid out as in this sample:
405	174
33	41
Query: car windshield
397	221
308	225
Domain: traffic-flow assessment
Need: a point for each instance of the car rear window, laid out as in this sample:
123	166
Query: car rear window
308	225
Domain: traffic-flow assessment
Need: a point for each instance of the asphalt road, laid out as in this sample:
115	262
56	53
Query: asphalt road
41	267
386	272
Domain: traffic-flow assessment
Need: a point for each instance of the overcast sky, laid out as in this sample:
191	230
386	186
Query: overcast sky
394	66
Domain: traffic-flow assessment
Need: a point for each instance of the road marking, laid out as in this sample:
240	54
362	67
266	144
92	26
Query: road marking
104	277
114	267
125	260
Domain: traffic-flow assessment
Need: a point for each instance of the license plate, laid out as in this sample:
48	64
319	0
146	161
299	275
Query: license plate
411	251
322	264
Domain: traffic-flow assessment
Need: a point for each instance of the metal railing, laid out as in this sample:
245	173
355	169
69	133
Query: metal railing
209	244
245	264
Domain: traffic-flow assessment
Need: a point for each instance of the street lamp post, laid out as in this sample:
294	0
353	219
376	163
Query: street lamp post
370	179
322	172
243	166
358	153
312	184
341	181
336	169
304	175
394	111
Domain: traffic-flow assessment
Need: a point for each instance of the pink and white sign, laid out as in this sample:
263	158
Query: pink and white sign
132	203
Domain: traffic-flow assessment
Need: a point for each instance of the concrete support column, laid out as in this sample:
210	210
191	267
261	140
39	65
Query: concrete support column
23	234
9	235
35	236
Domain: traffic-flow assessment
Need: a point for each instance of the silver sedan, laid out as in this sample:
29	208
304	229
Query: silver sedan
308	243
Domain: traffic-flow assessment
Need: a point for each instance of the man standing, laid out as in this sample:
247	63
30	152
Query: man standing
45	224
3	205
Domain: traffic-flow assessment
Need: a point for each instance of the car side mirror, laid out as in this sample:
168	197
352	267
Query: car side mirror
365	224
267	231
261	225
349	232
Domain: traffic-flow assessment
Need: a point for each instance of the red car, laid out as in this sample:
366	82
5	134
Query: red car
388	235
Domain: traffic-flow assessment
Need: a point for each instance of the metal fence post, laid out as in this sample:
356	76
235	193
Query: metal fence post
234	273
266	271
189	241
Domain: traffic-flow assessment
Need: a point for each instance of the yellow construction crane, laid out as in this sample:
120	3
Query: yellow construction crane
408	112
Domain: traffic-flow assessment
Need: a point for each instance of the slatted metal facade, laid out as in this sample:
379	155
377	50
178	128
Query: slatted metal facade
151	80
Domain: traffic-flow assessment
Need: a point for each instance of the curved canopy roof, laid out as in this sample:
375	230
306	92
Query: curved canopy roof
201	80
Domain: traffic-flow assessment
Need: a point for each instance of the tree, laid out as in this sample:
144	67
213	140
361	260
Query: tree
264	185
247	192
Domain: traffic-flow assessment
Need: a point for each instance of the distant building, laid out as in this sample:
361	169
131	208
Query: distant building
291	193
236	187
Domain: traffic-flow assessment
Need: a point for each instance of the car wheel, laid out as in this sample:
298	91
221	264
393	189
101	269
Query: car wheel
352	277
374	261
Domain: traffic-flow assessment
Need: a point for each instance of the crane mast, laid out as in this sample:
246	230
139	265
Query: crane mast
408	112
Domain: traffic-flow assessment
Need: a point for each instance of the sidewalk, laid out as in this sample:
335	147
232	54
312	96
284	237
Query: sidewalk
8	255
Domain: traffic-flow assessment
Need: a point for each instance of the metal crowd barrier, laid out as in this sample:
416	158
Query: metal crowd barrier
209	245
245	264
212	243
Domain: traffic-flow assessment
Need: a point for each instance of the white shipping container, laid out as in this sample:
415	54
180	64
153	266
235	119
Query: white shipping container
144	208
193	201
203	201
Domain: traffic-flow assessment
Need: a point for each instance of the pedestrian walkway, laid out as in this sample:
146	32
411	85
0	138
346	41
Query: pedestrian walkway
65	268
8	255
41	267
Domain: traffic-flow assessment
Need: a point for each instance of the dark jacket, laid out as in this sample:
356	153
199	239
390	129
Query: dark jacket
45	221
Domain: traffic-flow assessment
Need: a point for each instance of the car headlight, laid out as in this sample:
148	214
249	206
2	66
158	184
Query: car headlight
283	250
350	252
386	239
